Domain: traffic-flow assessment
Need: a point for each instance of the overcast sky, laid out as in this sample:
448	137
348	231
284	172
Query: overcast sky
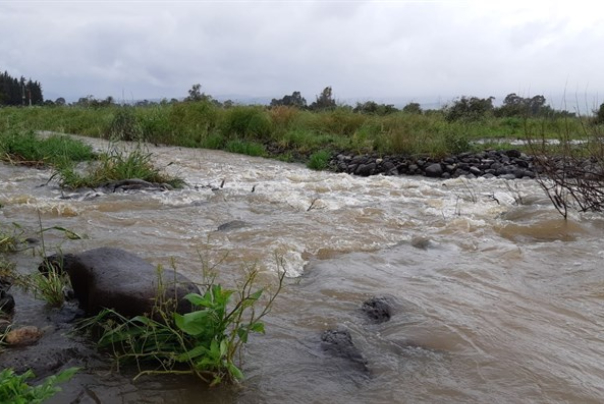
384	50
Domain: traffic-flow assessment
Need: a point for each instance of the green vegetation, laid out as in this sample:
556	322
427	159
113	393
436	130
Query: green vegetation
63	153
115	165
14	388
319	160
290	127
204	342
28	148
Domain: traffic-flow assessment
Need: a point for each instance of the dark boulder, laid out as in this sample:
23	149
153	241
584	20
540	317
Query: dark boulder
339	344
119	280
434	170
378	309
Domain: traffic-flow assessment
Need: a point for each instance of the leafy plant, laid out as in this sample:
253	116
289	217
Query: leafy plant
14	388
203	342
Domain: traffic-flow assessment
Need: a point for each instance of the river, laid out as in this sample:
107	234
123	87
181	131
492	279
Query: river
497	298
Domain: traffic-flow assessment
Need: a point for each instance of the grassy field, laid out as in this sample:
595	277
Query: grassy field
289	133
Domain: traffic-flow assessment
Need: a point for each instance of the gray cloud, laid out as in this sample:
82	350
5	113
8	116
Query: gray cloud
404	49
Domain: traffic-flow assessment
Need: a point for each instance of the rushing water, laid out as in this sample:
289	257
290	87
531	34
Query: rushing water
498	299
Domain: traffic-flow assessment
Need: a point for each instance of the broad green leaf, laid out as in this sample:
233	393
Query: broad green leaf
234	371
257	327
193	353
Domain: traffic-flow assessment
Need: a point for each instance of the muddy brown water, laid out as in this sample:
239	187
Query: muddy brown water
497	299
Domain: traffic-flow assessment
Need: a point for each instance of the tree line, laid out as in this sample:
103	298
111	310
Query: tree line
19	91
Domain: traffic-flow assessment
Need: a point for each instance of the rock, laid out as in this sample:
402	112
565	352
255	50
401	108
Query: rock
7	302
339	344
4	324
119	280
513	153
365	170
234	224
476	171
378	309
434	170
23	336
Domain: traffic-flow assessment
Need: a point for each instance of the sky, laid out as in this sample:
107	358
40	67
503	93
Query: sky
389	51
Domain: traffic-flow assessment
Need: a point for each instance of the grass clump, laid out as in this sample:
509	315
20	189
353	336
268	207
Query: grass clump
116	165
204	342
14	388
319	160
30	149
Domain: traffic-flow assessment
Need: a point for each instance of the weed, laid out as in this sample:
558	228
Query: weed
15	389
203	342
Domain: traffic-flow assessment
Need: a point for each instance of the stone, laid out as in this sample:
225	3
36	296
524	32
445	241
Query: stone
339	344
434	170
23	336
476	171
378	309
119	280
513	153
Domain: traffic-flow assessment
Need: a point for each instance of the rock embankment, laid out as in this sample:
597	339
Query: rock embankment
508	164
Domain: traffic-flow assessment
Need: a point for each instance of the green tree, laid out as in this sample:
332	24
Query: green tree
294	100
412	108
324	101
471	109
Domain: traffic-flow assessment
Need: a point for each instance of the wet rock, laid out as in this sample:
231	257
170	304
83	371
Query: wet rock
434	170
119	280
7	302
234	224
339	344
378	309
23	336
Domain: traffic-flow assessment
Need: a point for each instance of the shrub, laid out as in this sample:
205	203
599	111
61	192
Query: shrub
245	147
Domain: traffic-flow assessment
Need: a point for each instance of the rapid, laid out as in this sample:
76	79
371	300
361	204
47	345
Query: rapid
497	298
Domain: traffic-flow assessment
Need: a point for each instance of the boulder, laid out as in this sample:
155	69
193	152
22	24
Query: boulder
116	279
434	170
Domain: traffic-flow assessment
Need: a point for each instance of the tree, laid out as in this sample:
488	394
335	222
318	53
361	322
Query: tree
373	108
60	101
294	100
195	94
15	91
324	101
516	106
599	115
470	109
412	108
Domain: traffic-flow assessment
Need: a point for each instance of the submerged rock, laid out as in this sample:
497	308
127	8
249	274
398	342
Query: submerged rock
119	280
339	344
378	309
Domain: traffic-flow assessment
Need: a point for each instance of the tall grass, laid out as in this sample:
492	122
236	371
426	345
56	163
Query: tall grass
204	124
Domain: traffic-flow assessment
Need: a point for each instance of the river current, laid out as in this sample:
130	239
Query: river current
497	298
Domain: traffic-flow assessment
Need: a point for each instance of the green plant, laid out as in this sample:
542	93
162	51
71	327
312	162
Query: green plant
28	148
245	147
203	342
14	388
124	125
116	165
319	160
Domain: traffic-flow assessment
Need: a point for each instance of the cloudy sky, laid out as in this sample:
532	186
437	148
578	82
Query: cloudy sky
426	51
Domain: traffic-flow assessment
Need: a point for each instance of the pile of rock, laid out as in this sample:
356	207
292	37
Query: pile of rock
509	164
